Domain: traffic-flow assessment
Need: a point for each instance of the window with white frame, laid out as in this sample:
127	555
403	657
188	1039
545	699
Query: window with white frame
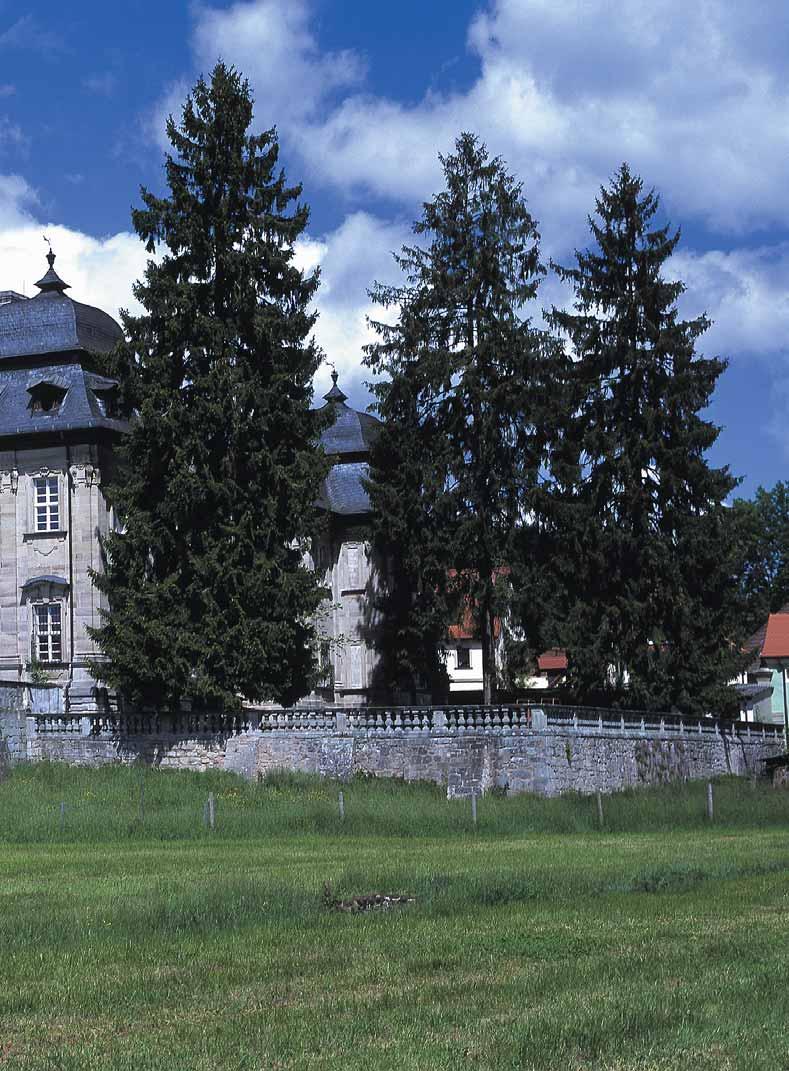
463	656
47	503
47	632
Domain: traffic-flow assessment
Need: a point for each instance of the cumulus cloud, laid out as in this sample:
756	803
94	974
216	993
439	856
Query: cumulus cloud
693	95
100	271
270	42
745	292
350	258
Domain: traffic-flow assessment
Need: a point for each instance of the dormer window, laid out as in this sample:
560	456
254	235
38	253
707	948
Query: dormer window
105	402
103	394
46	398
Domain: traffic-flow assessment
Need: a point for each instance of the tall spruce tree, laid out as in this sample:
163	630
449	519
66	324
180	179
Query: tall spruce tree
650	617
217	479
465	379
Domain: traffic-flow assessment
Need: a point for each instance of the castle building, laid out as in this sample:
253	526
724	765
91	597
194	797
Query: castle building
57	430
344	557
57	434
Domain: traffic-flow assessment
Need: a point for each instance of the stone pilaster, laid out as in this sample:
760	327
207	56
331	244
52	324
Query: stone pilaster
9	581
87	516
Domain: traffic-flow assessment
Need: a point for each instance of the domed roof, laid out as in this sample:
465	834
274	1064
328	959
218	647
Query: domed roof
347	440
51	322
351	434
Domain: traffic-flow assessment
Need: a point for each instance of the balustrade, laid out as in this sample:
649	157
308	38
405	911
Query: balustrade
393	721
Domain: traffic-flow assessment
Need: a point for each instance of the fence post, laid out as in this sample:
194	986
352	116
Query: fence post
209	812
600	809
710	809
342	807
474	808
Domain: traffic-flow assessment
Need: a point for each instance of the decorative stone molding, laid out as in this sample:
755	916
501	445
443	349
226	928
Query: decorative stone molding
84	474
9	481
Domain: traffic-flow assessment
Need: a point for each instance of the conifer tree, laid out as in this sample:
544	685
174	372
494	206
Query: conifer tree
648	568
465	378
217	479
764	529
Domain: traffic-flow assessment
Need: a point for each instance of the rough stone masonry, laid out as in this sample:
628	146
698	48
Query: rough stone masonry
470	750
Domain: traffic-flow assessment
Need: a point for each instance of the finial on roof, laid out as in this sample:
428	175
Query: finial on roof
335	394
51	280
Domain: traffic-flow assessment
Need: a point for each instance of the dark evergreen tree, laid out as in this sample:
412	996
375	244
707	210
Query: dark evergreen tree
764	531
648	569
209	597
466	377
411	520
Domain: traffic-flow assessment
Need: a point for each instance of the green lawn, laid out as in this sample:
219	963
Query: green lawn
660	942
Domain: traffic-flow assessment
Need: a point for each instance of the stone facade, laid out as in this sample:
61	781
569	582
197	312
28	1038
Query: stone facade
344	558
57	432
53	566
512	748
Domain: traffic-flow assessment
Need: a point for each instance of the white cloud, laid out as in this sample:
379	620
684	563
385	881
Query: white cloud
745	292
693	95
100	271
271	44
17	200
351	258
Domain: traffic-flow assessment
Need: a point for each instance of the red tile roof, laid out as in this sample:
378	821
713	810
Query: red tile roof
552	660
467	630
776	640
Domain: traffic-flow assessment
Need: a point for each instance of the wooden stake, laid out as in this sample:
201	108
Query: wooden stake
600	819
710	807
342	807
211	812
474	808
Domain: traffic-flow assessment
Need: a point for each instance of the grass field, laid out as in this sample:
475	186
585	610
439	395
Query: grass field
136	938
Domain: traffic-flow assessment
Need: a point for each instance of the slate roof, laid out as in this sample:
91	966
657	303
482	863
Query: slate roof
80	408
343	491
51	322
53	326
754	692
347	441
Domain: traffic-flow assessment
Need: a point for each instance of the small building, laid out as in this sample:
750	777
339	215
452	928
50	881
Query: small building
57	431
762	687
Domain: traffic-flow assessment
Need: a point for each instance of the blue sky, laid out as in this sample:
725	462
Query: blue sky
365	95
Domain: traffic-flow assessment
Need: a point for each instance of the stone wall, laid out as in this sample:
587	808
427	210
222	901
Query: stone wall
517	749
